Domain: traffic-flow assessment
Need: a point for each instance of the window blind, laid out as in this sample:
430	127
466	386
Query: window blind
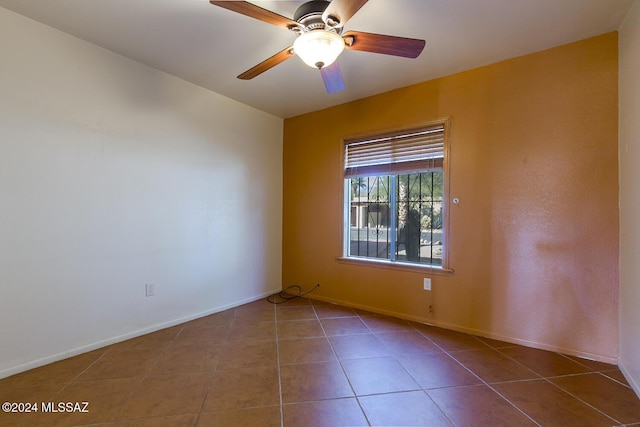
410	150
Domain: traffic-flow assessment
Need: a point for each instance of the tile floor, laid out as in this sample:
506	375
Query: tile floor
305	363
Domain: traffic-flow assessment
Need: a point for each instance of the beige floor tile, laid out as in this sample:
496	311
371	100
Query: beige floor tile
406	342
436	370
304	312
358	346
166	395
492	366
252	331
550	406
617	375
185	420
332	311
243	388
306	350
268	416
386	324
451	340
378	375
313	381
121	364
255	313
597	390
207	335
403	409
239	355
91	402
478	406
299	329
344	326
32	395
545	363
187	358
593	365
325	413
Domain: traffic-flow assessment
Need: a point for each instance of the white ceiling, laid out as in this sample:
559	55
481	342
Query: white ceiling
210	46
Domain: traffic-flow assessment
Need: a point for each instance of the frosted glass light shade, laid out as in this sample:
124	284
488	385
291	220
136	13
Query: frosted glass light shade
318	48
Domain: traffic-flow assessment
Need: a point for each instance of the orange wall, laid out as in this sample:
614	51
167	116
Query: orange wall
534	240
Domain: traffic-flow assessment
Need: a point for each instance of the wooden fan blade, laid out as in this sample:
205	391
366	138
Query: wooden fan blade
253	11
332	77
380	43
267	64
340	11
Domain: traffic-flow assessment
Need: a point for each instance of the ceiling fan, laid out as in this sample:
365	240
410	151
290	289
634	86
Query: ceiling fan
319	26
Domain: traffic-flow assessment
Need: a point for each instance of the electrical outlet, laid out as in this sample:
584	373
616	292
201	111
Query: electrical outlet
427	284
149	289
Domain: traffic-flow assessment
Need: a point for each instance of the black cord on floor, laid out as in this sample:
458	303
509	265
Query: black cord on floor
284	295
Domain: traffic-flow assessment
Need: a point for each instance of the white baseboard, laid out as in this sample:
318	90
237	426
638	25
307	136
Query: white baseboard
103	343
478	332
633	382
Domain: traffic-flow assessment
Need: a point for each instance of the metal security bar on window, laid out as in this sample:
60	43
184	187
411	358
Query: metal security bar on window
370	217
398	218
395	205
419	213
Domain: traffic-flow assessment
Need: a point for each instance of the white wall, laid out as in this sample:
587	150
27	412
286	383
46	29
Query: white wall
629	91
113	174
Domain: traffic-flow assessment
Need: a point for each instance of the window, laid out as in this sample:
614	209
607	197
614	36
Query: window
395	197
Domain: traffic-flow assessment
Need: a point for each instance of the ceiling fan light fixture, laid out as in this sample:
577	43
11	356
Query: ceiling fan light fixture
318	48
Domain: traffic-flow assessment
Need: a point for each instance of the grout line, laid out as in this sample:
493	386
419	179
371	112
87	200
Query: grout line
604	374
74	379
546	378
478	377
275	314
215	369
206	394
145	375
521	380
355	395
580	400
438	406
513	404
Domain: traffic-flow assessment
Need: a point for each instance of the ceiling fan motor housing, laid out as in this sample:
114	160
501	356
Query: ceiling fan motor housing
309	15
313	7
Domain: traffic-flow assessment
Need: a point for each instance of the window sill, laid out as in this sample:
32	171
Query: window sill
365	262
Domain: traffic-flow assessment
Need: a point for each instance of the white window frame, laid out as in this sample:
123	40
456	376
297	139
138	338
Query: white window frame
399	169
